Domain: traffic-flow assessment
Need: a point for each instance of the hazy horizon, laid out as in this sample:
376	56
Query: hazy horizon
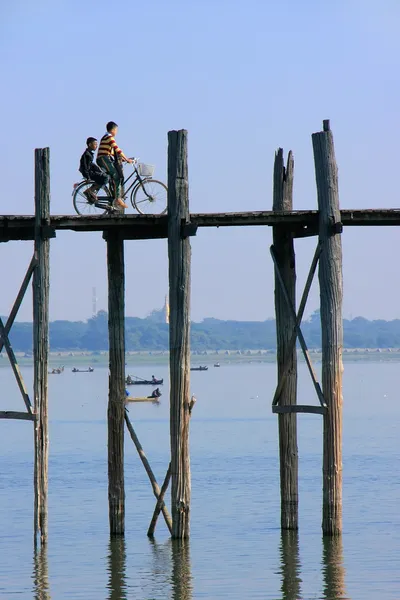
244	79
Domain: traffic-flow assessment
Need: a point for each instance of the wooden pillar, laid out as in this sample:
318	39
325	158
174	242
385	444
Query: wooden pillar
179	254
41	288
331	292
285	324
116	382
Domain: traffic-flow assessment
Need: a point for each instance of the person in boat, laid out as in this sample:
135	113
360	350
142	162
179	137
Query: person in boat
156	393
153	379
129	380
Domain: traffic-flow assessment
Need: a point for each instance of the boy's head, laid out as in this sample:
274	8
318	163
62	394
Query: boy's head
91	143
112	128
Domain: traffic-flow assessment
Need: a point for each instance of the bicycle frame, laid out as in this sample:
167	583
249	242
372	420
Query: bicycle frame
137	181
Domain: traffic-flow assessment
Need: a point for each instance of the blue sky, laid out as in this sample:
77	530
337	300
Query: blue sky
244	78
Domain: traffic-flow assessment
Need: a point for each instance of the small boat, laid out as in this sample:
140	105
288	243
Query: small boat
139	381
143	399
155	397
89	370
217	365
56	371
199	368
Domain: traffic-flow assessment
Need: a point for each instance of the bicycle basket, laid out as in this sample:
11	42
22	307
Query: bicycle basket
145	170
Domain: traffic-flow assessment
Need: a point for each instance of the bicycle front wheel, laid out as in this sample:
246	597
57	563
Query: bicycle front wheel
81	203
150	197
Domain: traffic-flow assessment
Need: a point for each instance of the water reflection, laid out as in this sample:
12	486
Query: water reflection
290	565
41	588
117	587
181	579
333	569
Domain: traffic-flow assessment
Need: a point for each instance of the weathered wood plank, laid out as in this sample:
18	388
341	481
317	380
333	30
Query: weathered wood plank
286	355
299	408
13	414
116	386
179	255
331	292
149	470
41	291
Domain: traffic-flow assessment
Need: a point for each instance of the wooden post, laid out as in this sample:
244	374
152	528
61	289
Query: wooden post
179	254
41	288
331	292
286	350
116	382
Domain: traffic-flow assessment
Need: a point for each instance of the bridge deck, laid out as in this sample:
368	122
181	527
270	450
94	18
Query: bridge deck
134	226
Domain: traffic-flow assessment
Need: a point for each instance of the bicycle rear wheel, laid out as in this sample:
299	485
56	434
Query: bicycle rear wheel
82	205
150	197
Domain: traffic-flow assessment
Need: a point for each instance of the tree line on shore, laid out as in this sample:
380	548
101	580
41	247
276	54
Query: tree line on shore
210	334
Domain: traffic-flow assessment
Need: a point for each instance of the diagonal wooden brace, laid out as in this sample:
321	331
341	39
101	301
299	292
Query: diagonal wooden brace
15	367
149	471
19	298
160	500
300	313
299	332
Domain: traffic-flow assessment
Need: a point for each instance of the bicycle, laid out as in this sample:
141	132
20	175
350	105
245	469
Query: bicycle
148	195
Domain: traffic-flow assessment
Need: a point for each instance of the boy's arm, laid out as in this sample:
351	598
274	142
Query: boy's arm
117	150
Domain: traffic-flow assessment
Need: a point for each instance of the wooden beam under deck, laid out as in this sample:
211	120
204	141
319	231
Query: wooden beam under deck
134	226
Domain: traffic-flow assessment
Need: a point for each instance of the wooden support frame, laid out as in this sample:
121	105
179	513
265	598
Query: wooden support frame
160	500
5	342
148	469
15	367
300	336
292	344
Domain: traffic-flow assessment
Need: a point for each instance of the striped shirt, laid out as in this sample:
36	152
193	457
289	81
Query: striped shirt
108	146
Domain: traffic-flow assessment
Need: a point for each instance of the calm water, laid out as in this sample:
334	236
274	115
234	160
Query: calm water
236	549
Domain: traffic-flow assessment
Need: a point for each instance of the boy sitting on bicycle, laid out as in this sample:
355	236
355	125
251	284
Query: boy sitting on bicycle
107	155
91	171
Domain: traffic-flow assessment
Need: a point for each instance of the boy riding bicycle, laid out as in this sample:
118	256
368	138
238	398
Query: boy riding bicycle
107	156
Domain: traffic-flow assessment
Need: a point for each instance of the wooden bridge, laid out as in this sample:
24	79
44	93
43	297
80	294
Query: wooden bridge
178	225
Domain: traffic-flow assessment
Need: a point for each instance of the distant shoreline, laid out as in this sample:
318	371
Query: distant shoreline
144	359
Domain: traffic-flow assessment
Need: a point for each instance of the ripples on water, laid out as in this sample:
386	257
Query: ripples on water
236	549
